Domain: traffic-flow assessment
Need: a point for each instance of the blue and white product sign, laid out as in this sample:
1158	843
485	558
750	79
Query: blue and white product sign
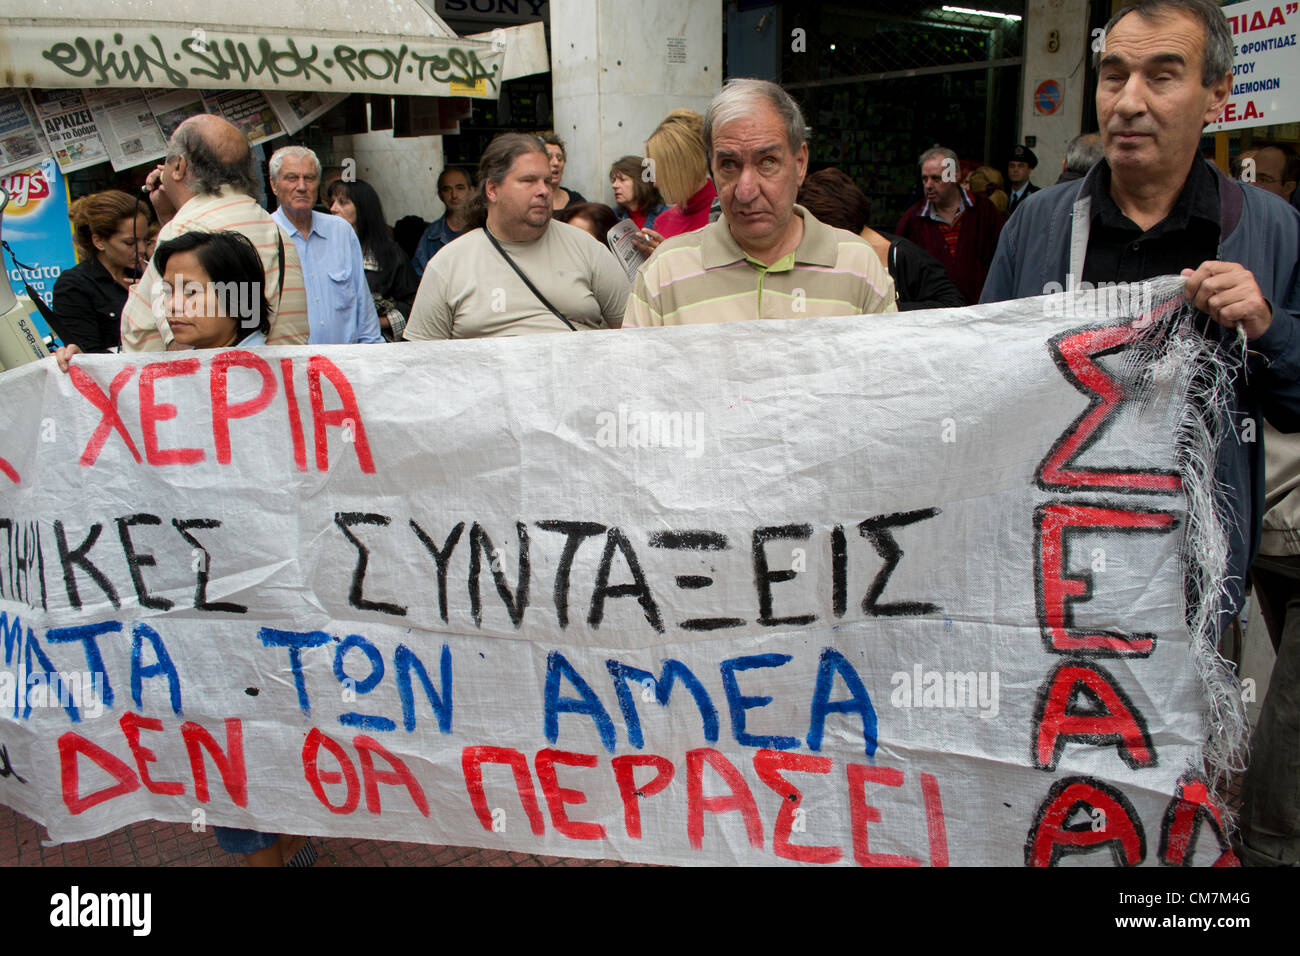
36	227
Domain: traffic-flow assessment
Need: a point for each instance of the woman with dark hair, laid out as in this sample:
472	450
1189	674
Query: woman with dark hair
214	297
920	281
636	196
592	217
217	295
392	281
111	229
560	197
214	293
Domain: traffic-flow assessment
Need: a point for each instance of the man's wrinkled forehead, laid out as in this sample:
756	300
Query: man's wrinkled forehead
299	168
1166	38
761	131
738	151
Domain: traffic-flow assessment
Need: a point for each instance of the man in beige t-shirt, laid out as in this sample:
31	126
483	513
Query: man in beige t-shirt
469	290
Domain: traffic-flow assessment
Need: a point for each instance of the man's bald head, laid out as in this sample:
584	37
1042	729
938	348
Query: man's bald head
223	138
216	154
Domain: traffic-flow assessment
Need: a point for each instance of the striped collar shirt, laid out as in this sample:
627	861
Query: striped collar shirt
704	276
928	211
224	209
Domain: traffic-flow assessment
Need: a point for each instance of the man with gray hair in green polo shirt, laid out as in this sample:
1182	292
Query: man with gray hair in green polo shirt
766	258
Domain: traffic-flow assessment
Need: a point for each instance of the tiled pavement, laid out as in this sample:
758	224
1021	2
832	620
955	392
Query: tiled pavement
175	844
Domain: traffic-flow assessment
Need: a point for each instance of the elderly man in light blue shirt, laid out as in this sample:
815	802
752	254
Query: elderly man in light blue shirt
340	308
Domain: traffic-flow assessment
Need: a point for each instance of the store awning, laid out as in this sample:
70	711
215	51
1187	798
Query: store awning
399	47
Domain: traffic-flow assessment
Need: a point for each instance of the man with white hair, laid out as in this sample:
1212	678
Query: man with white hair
206	184
340	308
766	257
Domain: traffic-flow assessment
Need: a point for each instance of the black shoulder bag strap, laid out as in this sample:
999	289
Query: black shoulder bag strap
493	239
1230	204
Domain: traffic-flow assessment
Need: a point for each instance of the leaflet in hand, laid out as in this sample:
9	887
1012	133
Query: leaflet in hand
620	239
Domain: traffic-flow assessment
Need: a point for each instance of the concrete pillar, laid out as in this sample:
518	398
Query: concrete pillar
403	171
618	68
1069	18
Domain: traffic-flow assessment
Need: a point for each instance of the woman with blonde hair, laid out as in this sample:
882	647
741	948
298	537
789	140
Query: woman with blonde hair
988	181
680	170
111	230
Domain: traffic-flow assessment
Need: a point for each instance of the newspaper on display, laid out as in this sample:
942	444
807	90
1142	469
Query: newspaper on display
69	128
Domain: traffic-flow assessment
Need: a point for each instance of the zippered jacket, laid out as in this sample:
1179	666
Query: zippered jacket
1258	230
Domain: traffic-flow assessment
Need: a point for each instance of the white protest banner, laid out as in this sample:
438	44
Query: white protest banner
884	590
1265	67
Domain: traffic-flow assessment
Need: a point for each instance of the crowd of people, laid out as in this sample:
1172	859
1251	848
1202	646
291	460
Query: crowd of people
736	229
937	256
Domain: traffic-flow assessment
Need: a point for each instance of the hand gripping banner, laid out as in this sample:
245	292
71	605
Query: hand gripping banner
884	590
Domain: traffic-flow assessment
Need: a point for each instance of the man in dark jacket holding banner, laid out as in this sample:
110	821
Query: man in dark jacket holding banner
1154	207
